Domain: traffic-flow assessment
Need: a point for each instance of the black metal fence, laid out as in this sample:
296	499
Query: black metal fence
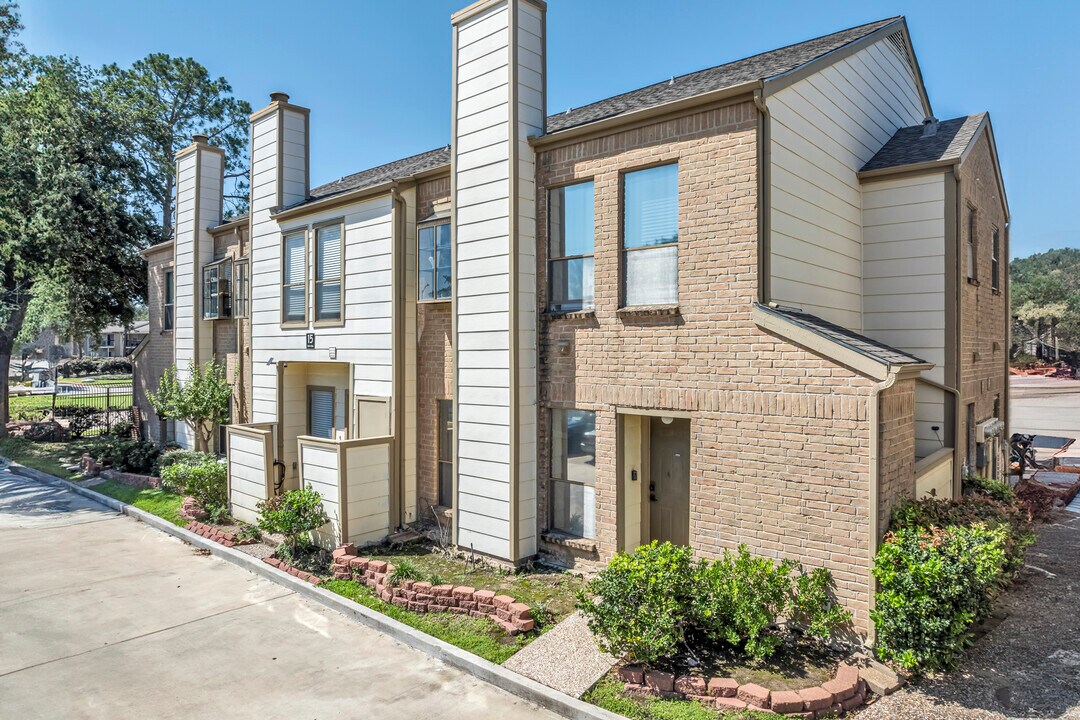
87	410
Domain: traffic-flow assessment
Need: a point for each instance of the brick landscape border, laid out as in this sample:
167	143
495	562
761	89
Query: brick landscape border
210	532
846	691
422	597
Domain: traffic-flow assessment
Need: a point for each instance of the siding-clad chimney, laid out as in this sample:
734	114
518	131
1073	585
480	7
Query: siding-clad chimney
498	102
199	181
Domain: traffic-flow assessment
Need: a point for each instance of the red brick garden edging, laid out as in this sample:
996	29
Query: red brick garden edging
212	533
422	597
295	572
846	691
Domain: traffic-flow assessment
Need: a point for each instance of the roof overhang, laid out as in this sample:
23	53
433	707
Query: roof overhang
649	114
353	196
230	225
831	349
146	252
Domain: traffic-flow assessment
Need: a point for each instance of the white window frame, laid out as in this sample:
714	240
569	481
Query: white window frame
340	279
434	227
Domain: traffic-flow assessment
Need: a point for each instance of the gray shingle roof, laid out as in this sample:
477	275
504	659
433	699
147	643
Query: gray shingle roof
868	347
908	147
757	67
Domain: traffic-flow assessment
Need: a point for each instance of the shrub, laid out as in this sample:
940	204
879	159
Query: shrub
186	457
994	489
740	598
405	569
114	366
248	531
642	599
934	584
126	455
294	515
81	419
203	480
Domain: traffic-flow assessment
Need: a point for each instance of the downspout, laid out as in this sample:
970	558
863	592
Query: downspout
397	499
764	160
874	490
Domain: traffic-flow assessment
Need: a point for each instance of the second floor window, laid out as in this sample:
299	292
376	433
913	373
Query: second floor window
434	262
240	289
217	290
210	292
294	279
570	247
651	236
995	265
328	262
169	304
972	255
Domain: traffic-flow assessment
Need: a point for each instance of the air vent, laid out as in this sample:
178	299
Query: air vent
899	45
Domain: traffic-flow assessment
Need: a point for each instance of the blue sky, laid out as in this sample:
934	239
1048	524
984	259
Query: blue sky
377	74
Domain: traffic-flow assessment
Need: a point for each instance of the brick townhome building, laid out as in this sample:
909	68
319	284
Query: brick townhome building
753	304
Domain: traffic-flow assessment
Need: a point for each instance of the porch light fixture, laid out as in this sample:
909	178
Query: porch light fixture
667	419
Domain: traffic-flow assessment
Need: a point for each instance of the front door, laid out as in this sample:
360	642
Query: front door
669	480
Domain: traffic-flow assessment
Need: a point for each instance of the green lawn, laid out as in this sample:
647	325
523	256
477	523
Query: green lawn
162	503
479	636
609	695
118	400
50	457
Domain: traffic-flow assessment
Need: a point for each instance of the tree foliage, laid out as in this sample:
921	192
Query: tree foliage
1045	293
201	401
69	237
166	100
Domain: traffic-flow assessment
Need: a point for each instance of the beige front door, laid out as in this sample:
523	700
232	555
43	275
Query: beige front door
669	480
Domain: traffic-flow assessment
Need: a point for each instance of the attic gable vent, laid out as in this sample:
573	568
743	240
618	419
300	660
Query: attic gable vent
899	45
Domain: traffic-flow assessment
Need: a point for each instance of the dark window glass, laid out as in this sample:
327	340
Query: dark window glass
435	273
573	472
570	247
446	453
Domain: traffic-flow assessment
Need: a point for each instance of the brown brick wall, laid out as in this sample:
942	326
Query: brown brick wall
779	436
157	354
896	461
984	342
435	370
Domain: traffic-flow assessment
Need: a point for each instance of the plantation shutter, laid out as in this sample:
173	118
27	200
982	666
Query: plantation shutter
321	413
328	274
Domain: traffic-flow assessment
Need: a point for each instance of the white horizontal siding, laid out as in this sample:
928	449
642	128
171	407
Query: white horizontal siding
319	470
247	475
824	128
368	493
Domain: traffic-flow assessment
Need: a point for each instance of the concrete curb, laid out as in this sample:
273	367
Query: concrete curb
500	677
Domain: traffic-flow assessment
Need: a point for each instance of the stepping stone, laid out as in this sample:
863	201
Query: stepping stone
565	658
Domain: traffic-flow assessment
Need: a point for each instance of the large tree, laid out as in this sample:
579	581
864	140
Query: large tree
69	235
166	101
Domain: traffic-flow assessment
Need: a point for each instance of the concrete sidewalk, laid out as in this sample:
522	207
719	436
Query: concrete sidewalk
102	616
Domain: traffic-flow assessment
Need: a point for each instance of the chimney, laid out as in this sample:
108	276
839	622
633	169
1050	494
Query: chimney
200	171
929	126
498	102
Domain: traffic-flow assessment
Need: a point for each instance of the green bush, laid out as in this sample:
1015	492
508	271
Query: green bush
294	515
203	480
186	457
933	585
125	454
114	366
994	489
641	602
740	599
648	602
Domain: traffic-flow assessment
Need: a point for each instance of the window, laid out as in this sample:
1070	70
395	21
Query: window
434	262
995	267
650	236
972	269
294	279
570	247
573	472
446	453
106	340
328	261
210	292
240	289
321	412
217	285
168	304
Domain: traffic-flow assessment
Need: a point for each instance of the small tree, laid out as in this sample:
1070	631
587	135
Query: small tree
294	515
201	401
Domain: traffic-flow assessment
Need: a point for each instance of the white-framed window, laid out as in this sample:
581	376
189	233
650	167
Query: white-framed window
651	236
573	472
168	304
217	290
294	278
571	240
321	412
328	269
435	279
241	289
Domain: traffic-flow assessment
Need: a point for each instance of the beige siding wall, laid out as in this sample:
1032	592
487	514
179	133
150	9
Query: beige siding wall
824	128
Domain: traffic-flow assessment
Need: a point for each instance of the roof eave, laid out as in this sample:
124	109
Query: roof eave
907	168
214	229
156	248
649	113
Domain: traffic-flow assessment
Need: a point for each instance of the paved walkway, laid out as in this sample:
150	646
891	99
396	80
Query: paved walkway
104	617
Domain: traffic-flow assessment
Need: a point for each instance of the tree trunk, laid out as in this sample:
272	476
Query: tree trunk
167	209
8	333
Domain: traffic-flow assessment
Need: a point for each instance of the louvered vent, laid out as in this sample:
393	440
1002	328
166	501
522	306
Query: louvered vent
899	46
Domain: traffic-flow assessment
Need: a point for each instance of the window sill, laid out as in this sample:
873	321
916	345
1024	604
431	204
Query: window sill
328	324
648	311
973	281
554	537
435	301
294	326
996	291
570	314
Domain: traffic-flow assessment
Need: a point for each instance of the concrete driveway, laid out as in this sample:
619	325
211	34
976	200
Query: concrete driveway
104	617
1044	406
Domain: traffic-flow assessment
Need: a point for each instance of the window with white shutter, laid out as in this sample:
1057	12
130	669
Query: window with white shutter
294	279
321	412
328	261
651	236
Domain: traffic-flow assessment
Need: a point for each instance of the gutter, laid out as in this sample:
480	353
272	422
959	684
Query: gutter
344	198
